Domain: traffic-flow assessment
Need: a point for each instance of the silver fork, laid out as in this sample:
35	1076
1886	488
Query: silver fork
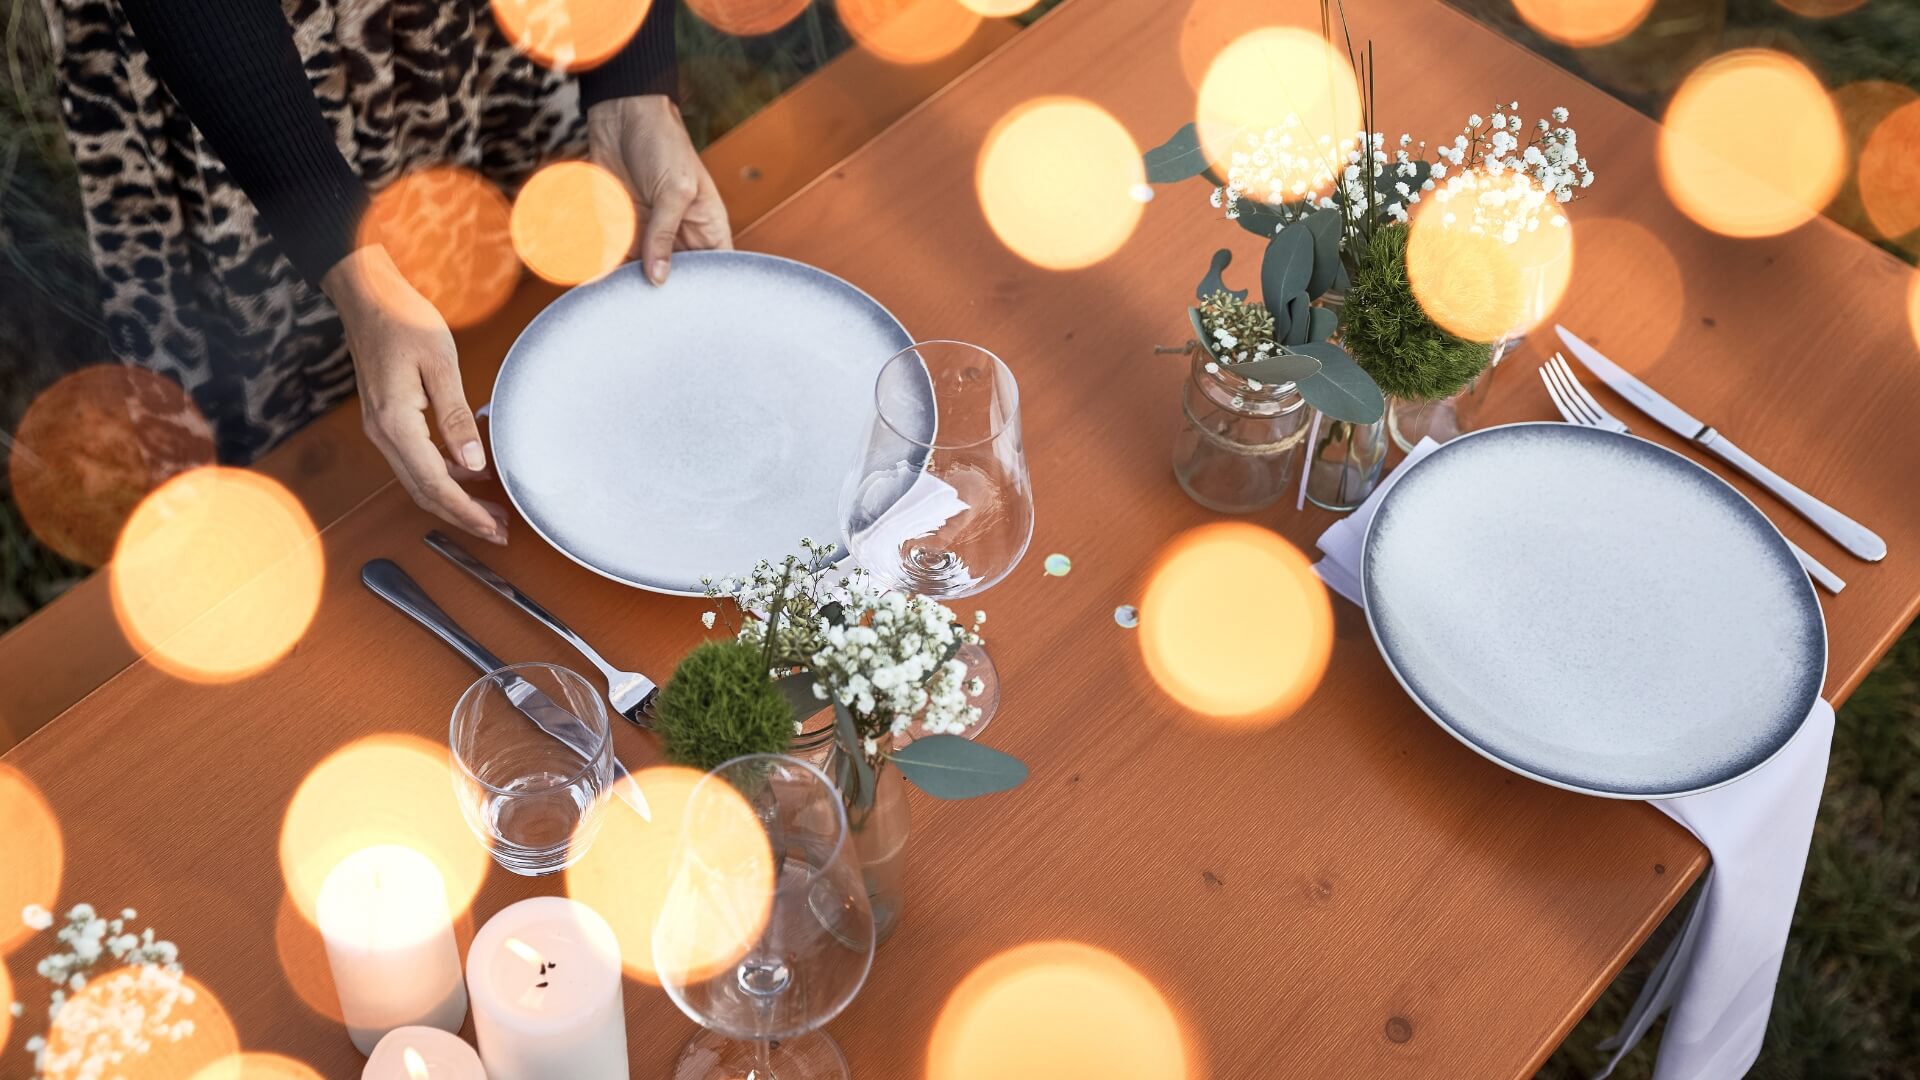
1578	406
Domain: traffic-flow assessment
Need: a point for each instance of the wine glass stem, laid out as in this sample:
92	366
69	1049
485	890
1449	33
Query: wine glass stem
763	1070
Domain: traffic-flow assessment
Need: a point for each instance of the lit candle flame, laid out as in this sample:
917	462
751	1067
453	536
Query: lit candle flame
524	951
416	1065
538	991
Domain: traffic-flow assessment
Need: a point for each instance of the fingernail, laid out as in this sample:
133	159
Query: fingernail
474	457
657	270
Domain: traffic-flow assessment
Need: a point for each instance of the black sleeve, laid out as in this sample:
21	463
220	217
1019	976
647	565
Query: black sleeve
647	65
232	65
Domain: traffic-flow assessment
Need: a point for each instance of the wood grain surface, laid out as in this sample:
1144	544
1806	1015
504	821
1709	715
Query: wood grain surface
1347	893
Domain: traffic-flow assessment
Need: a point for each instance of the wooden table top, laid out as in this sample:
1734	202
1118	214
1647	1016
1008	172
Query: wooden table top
1350	892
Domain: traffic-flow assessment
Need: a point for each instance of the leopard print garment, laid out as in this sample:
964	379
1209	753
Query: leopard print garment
191	285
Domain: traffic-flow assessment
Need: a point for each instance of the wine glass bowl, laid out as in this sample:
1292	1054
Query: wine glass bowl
766	932
940	503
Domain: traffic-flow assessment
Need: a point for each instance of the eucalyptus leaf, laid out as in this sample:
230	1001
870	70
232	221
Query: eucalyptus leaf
1325	227
1341	389
1213	282
1284	368
1179	158
1322	322
950	767
1285	270
1258	218
1299	319
848	735
798	688
834	612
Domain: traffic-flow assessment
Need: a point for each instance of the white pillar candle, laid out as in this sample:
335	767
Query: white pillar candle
423	1053
383	915
544	975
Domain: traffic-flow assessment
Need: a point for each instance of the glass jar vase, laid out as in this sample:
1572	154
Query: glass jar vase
1410	421
880	832
1237	443
1345	462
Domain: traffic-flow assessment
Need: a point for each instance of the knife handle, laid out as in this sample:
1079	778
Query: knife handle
392	584
1849	533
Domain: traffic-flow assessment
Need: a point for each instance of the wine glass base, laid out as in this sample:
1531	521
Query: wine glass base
712	1056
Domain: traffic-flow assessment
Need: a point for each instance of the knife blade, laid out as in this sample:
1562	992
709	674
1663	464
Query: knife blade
1848	533
397	587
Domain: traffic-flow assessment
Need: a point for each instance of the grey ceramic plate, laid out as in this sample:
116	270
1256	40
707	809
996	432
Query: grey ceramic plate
1593	611
659	435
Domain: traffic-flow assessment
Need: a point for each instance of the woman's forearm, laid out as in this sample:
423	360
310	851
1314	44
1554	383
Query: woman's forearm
645	65
233	67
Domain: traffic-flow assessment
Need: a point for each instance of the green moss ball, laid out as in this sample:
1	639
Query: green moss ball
1390	336
721	704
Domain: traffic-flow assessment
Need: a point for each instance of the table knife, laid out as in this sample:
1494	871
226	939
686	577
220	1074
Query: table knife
1849	533
398	588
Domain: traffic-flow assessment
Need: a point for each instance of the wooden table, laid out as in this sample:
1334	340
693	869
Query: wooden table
1350	893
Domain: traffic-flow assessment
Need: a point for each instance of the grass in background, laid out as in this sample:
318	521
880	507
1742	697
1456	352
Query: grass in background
1849	990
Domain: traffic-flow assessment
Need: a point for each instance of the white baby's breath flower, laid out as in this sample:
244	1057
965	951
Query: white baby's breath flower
707	619
36	917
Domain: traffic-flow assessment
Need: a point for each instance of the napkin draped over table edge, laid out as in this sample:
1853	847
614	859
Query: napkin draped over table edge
1718	974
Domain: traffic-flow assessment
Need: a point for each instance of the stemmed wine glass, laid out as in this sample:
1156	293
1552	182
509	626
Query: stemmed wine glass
765	933
940	503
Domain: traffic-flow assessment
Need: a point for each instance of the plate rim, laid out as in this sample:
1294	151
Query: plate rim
630	269
1774	534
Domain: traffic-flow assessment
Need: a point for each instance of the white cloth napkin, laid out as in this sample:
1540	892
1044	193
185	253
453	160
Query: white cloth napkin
1719	973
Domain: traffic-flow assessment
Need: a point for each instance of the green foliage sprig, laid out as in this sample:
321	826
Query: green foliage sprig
722	703
1390	334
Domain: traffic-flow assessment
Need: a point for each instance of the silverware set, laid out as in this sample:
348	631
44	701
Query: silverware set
1578	406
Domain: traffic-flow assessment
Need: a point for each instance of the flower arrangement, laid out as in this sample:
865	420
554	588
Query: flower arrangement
1501	176
883	661
100	1030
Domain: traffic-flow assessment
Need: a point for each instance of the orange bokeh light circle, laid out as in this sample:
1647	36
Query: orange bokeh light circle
254	1065
1584	23
383	789
572	222
1273	77
32	852
908	31
95	443
1208	27
6	1002
1057	180
132	1012
1751	144
1056	1009
1235	625
217	574
999	9
1890	172
1822	9
1623	259
633	876
1913	308
747	18
570	35
1489	255
448	231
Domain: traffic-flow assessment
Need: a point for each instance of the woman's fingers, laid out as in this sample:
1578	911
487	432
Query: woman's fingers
672	197
440	376
404	439
706	227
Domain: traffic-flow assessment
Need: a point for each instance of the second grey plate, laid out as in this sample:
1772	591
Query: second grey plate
1593	611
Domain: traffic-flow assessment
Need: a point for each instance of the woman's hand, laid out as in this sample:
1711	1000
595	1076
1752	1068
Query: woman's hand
643	141
404	360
